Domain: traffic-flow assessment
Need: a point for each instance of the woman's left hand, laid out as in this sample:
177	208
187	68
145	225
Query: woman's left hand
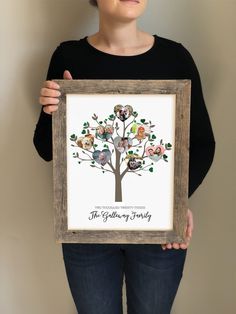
189	230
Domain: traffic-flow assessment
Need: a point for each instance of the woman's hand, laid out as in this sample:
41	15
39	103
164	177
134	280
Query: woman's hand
49	94
189	230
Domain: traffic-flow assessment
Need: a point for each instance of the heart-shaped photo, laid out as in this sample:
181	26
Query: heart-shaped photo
105	133
155	152
102	157
155	158
86	142
133	162
123	112
122	144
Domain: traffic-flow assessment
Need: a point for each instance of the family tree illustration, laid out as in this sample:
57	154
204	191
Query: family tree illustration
121	144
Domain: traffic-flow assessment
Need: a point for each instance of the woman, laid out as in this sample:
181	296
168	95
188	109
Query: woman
119	50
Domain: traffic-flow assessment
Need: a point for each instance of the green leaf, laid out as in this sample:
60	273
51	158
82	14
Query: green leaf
154	137
83	132
130	152
100	122
73	138
93	162
142	120
86	125
168	146
165	156
151	169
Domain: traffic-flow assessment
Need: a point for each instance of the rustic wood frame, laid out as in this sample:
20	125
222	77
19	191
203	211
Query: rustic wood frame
181	88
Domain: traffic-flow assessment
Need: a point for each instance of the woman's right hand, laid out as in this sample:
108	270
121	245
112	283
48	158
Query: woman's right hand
49	94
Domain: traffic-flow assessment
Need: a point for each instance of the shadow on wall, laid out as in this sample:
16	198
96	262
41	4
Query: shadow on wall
189	24
37	30
32	32
63	20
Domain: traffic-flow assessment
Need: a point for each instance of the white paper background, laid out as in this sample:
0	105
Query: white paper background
91	190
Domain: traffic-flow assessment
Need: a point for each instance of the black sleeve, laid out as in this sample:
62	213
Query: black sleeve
43	132
202	142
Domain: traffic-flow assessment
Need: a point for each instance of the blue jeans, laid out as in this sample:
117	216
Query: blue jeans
95	275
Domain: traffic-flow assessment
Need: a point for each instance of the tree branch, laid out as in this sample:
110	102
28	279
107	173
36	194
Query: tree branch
106	141
117	132
87	155
112	167
129	123
83	150
137	174
145	147
100	168
122	161
82	158
136	145
124	172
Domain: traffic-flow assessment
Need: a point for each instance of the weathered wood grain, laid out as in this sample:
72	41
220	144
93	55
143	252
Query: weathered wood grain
180	88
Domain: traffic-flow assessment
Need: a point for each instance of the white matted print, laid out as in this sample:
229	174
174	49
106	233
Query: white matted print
120	161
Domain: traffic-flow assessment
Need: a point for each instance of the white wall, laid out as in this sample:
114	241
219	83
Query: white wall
31	266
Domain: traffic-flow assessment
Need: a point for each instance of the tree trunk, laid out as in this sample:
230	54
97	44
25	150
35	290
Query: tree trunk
118	187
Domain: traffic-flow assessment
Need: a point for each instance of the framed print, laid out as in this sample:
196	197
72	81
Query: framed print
120	161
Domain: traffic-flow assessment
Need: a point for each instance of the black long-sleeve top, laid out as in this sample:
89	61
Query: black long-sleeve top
166	59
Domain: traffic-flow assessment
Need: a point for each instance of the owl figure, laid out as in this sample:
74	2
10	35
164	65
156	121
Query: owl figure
86	142
134	164
141	134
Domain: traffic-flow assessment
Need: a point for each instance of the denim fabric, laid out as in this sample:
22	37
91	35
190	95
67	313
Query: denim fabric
95	275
